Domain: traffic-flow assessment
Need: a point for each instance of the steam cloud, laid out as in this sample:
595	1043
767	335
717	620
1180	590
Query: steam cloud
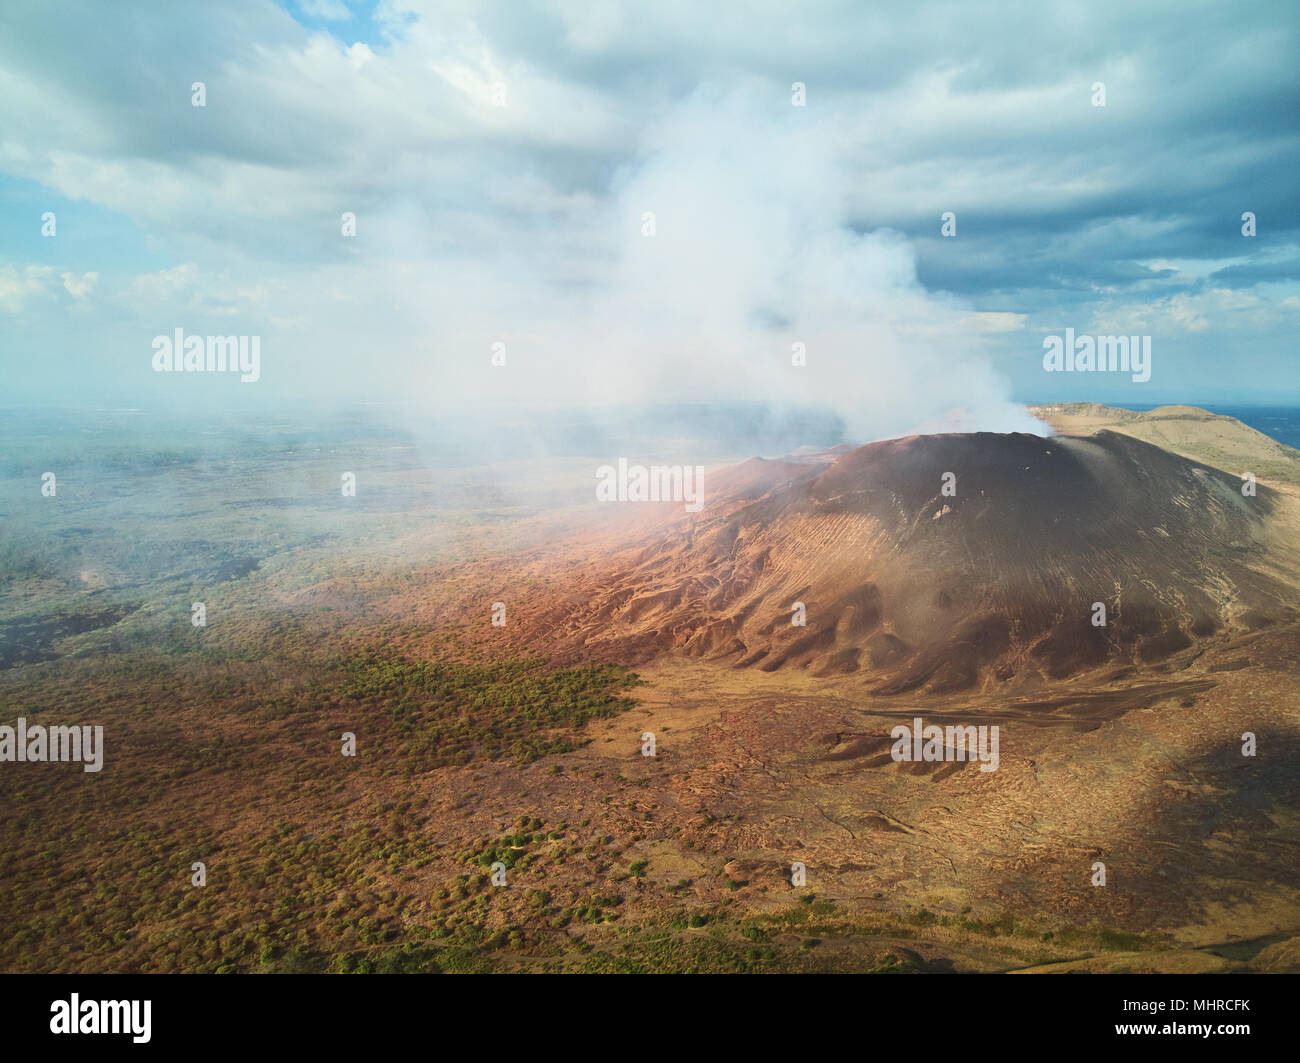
751	253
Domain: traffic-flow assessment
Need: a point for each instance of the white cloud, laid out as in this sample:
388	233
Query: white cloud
995	321
1183	313
334	10
18	287
775	224
80	287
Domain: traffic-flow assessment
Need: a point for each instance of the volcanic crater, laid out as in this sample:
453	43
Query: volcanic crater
944	563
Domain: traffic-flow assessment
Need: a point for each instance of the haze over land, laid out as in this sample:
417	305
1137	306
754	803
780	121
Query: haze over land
373	615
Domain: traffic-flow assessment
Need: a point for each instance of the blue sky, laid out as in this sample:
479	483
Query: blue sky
501	160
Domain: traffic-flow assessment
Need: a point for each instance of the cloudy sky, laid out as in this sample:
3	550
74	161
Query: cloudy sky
502	161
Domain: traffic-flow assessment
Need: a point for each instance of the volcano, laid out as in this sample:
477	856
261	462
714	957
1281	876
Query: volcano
949	563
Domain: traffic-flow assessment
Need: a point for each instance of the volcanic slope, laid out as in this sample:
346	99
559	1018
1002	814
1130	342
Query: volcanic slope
993	584
1215	439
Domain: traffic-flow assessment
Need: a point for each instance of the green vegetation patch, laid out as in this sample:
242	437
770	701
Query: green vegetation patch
451	713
